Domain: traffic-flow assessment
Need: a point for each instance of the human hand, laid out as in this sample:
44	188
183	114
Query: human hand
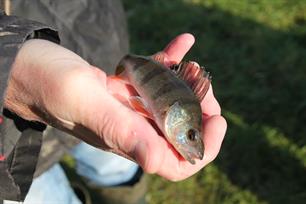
53	85
157	156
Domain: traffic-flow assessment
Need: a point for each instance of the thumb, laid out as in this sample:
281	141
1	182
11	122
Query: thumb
129	134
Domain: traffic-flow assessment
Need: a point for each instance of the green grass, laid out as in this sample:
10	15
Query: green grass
256	52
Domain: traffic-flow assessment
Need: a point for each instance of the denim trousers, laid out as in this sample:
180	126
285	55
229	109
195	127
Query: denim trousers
98	167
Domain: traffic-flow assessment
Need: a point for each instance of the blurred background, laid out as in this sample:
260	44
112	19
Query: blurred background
256	52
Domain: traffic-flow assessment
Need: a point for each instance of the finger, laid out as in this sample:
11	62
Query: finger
175	50
209	104
129	134
213	133
178	47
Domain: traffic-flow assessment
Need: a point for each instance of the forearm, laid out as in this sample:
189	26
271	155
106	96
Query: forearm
30	83
16	174
14	32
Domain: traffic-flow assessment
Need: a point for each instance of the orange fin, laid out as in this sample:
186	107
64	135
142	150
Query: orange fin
140	106
118	78
196	77
121	99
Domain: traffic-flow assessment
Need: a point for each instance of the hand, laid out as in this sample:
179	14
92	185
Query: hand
53	85
155	154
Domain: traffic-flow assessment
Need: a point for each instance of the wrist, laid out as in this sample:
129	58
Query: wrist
19	93
38	69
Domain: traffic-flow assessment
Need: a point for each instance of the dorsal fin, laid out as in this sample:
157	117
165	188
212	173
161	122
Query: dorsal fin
196	77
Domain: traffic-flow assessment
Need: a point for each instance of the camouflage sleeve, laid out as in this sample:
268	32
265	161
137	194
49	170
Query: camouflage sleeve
20	140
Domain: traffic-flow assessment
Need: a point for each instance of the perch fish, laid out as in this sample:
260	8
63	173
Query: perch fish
170	97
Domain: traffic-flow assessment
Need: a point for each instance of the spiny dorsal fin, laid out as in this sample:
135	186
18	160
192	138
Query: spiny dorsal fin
196	77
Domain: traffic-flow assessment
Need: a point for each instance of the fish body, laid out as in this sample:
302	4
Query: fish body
172	103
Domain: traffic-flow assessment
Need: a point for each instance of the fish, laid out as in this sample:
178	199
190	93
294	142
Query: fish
171	98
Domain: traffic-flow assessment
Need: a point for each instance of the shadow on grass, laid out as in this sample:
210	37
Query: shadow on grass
253	159
258	74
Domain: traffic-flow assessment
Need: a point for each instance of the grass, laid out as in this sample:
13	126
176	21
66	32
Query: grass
256	52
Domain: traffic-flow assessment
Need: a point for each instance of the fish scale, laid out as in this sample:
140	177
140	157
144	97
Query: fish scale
169	99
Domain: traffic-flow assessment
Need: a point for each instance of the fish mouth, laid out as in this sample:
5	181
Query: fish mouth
191	160
191	156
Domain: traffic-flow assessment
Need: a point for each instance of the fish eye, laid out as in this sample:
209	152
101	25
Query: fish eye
191	134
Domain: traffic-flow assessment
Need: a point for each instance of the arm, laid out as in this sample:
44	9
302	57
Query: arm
68	93
20	140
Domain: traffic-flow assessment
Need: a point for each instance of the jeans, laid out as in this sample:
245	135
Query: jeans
99	167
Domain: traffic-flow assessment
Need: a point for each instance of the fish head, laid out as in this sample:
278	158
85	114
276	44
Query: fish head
184	133
189	142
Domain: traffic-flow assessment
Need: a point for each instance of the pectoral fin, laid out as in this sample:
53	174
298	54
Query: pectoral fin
196	77
118	78
139	105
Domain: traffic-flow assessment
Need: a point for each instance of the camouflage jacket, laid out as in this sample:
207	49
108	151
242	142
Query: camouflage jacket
94	29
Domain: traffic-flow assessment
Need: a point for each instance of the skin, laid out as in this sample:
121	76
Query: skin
51	84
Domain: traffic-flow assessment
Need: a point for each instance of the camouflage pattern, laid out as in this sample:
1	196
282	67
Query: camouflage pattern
94	29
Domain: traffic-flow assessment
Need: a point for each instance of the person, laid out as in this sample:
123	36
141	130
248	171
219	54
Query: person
42	83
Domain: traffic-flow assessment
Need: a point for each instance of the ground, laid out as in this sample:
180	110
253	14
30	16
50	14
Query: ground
256	52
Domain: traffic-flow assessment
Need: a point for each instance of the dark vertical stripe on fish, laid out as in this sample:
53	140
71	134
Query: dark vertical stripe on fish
150	75
137	66
170	86
135	62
